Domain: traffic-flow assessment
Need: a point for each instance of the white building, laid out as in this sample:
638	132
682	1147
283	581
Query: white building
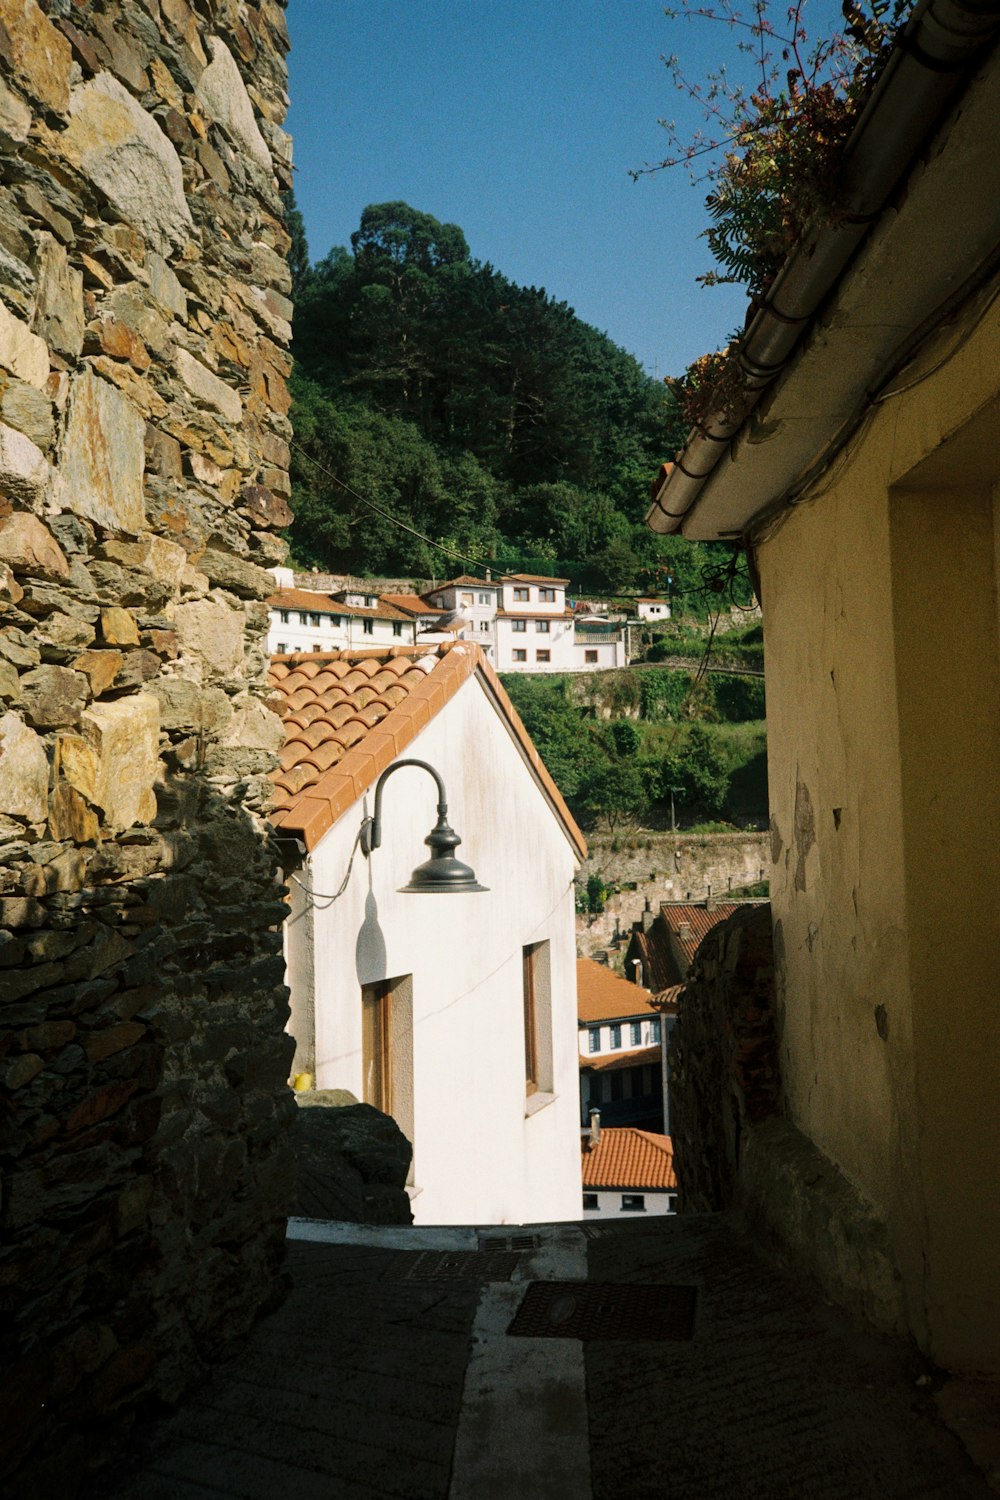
627	1171
653	609
454	1012
533	625
599	645
301	620
620	1049
478	600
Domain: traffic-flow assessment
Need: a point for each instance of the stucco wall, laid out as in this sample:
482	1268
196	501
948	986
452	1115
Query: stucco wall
883	743
477	1157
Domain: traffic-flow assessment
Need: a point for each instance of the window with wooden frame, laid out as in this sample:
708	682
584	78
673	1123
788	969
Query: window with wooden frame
387	1051
376	1045
537	1011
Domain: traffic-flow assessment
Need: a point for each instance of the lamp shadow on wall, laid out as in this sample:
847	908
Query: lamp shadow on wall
370	950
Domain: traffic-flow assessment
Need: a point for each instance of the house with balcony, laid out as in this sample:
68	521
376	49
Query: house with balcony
621	1071
478	600
445	998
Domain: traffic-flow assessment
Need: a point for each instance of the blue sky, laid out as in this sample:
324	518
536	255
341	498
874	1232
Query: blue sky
518	120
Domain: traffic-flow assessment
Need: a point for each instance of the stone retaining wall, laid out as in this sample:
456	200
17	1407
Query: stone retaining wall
665	867
143	471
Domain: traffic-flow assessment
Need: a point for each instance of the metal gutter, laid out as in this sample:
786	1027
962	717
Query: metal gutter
938	44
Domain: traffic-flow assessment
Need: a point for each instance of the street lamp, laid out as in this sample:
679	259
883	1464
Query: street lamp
442	873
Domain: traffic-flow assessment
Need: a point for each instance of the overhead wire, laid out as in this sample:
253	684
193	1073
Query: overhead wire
483	564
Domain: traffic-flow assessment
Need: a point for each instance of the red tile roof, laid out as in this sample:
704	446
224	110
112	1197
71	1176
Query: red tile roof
531	578
700	919
630	1160
325	605
666	1000
610	1062
602	995
349	714
659	967
411	604
464	580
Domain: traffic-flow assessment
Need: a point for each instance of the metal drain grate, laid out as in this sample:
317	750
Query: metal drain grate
604	1310
460	1265
509	1241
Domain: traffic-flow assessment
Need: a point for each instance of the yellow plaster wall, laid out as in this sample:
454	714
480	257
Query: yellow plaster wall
883	666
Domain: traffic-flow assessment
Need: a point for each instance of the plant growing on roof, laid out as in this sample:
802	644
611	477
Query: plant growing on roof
770	149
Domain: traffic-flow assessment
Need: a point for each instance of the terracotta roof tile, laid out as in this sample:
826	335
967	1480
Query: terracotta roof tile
631	1160
602	995
348	714
612	1061
465	581
698	918
323	604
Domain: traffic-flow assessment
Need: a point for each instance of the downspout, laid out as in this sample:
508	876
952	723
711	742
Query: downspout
940	40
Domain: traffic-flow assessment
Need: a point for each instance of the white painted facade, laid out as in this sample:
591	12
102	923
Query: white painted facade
534	628
321	623
610	1203
599	653
653	609
622	1035
485	1151
523	624
478	602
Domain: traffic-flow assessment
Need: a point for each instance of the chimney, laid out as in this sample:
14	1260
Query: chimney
647	916
595	1127
489	575
637	971
710	901
684	932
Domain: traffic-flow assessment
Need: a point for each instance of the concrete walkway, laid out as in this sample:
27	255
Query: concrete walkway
390	1372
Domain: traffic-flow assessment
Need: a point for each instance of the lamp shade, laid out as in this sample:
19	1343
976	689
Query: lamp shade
442	874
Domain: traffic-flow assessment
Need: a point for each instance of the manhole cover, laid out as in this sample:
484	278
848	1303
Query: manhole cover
509	1241
604	1310
461	1265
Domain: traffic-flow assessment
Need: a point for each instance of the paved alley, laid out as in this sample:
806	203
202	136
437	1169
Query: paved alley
686	1368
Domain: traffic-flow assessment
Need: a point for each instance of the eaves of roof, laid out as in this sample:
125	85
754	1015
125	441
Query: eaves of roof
384	734
602	995
534	614
627	1159
612	1061
829	341
324	604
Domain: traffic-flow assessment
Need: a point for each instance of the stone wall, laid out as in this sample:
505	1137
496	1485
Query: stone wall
665	867
144	319
724	1076
736	1149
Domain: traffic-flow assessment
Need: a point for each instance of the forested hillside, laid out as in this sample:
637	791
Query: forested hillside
482	415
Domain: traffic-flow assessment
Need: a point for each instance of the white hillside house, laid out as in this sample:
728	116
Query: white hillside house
455	1012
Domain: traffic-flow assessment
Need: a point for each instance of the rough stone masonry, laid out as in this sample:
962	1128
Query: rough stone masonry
144	322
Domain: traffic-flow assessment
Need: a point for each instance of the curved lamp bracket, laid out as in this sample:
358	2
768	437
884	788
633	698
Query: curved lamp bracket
441	873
